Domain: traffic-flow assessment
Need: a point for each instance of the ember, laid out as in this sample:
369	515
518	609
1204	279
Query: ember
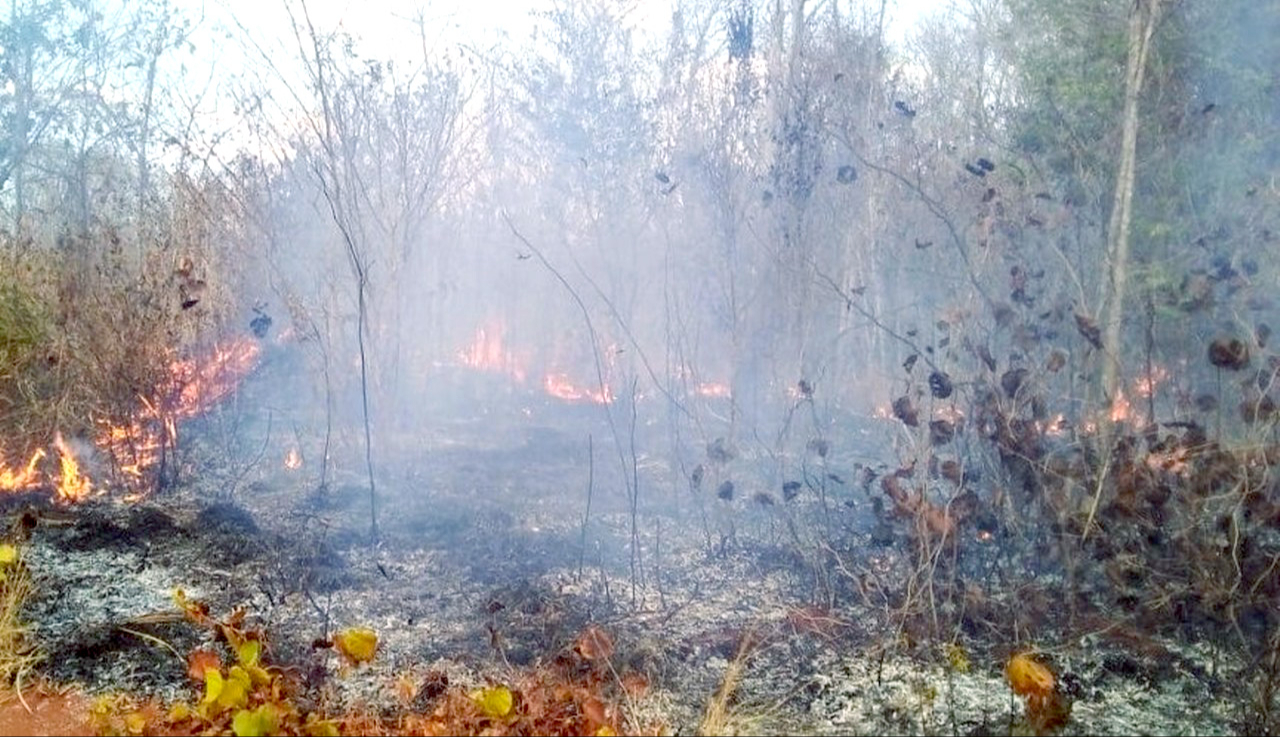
713	389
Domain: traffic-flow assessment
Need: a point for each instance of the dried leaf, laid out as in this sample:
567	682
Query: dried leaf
904	410
200	661
594	644
1027	677
1088	328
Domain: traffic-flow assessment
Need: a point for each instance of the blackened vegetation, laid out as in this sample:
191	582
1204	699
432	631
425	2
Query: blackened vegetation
1229	353
940	384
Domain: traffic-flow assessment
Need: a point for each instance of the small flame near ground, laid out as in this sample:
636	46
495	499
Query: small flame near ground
194	387
560	387
293	459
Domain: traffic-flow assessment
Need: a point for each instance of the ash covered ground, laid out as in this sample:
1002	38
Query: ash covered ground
483	564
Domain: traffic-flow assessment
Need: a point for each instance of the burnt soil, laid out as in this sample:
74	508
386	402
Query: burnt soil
480	567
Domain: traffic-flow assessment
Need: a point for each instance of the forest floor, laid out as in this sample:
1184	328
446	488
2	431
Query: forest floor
480	569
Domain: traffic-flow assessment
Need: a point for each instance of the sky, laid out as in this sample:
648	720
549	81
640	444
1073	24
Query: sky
387	31
474	21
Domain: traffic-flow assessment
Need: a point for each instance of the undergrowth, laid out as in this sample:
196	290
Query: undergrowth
238	690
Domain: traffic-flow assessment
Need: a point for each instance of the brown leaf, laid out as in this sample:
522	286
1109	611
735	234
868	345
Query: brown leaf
904	410
1088	328
201	660
594	644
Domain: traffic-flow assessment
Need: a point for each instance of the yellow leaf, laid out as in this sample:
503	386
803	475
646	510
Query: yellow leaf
179	712
320	727
259	675
495	702
8	554
135	723
357	644
248	651
234	695
257	723
212	685
606	731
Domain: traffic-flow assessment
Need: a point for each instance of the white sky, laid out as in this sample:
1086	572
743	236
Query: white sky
387	30
384	23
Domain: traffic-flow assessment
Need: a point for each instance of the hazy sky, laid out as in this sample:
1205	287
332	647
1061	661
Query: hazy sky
384	21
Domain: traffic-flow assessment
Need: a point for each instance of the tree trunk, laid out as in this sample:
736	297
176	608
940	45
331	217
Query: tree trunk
1142	22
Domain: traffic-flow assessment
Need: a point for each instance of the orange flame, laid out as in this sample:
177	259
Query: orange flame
293	459
559	386
73	486
488	353
712	389
136	446
29	476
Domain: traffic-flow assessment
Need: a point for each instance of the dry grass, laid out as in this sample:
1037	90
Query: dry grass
18	656
722	717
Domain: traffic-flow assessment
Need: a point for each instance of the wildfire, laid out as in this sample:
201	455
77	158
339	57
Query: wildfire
487	352
1121	409
293	459
73	486
712	389
559	386
29	476
202	385
1146	385
134	447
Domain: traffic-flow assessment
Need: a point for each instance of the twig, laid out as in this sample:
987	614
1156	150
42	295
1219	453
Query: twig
154	639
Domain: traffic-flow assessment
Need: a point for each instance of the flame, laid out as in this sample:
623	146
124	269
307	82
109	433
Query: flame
1055	427
194	387
73	486
135	446
713	389
29	476
488	353
200	386
1121	409
293	459
559	386
1145	386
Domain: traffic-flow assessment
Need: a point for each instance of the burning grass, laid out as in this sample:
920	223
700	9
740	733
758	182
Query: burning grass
102	354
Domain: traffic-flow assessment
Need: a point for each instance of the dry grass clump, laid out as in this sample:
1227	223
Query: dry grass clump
91	322
18	656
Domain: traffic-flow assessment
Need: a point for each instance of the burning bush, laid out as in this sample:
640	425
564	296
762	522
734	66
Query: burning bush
94	327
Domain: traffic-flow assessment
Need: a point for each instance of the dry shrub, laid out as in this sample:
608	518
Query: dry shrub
17	654
91	322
